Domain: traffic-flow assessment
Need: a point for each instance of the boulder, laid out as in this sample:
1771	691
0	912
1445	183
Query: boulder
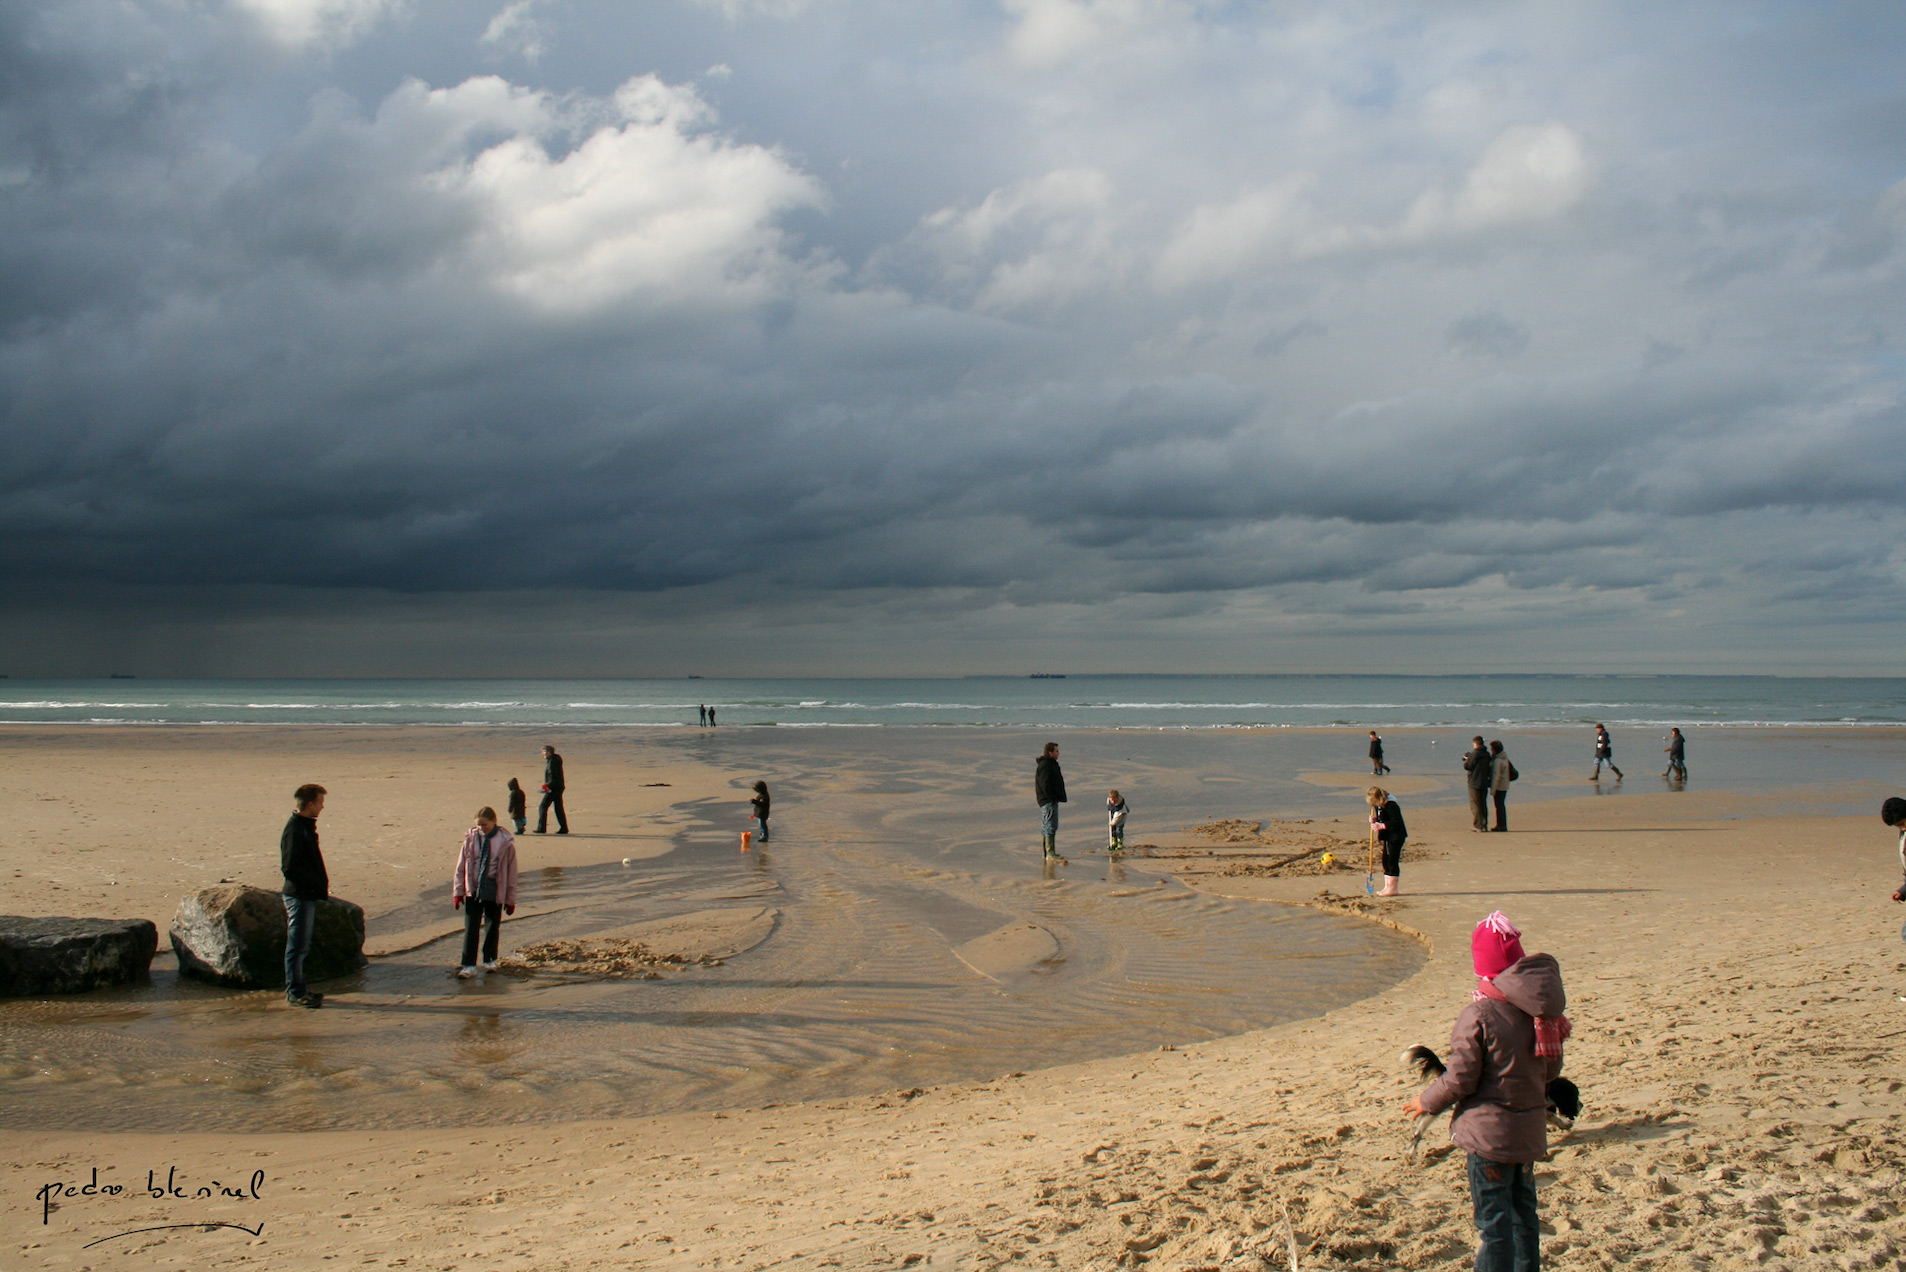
234	934
65	956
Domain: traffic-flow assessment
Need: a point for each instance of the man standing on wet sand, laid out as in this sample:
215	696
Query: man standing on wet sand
306	884
1482	775
552	794
1049	788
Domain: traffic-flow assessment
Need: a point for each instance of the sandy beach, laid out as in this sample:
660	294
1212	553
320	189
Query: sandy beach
1734	975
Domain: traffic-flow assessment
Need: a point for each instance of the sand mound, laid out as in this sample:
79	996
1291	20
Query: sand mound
706	938
1014	950
612	958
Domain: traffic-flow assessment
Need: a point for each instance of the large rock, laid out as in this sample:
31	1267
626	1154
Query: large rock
65	956
235	934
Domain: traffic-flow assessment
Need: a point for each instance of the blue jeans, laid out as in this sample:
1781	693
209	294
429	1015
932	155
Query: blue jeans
1504	1196
301	920
1049	823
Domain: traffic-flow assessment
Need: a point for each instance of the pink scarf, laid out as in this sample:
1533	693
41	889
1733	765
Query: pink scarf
1550	1031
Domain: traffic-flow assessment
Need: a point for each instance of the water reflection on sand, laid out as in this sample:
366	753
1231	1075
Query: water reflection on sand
868	980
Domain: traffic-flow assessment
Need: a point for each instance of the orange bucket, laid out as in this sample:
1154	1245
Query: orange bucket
747	840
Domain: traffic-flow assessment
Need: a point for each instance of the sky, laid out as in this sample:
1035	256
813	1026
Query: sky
784	337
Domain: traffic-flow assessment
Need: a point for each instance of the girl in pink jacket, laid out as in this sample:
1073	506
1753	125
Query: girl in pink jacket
484	888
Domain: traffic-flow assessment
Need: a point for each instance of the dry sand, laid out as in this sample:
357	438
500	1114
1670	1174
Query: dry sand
1734	983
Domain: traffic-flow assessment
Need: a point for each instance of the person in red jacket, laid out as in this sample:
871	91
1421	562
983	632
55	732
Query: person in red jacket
1506	1046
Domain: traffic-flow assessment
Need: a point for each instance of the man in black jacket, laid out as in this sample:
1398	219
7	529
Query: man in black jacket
1049	788
1482	775
552	794
306	884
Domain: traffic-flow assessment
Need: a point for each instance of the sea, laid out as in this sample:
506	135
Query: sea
983	702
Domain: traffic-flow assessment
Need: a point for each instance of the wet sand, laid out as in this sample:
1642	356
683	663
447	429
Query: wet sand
1734	975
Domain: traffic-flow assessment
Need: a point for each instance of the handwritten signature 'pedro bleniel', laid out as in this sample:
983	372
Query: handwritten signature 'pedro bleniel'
170	1189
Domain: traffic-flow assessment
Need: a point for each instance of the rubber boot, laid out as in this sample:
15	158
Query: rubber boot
1047	847
1389	886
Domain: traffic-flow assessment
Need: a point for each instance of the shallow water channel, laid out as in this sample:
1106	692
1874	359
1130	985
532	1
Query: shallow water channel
857	989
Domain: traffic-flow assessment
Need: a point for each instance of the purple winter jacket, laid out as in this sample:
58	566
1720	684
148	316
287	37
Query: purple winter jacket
1495	1079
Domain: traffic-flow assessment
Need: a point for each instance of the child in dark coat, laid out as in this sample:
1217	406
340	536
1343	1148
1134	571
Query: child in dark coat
519	806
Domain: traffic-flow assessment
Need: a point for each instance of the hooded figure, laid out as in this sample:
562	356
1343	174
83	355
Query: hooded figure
1506	1046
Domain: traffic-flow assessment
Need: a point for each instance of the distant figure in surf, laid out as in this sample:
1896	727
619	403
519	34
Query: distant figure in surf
760	802
1115	811
701	715
711	717
1604	754
1049	788
1377	767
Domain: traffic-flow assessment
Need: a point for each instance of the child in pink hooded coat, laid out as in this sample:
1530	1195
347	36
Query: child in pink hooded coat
1506	1046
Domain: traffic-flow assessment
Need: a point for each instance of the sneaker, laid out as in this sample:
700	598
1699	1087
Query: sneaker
563	831
305	1000
490	966
465	973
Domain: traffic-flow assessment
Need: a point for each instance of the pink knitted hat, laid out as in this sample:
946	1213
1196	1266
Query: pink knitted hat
1496	946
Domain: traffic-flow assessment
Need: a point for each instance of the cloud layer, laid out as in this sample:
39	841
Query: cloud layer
1218	322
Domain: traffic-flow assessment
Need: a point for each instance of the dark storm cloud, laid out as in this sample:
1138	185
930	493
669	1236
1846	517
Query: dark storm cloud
1158	301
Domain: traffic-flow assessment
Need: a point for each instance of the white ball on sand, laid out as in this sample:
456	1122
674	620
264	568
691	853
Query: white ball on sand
627	862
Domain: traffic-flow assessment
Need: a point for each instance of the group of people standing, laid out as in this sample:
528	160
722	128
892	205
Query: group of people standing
707	715
1490	773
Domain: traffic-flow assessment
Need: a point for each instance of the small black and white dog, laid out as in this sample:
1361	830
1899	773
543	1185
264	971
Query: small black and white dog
1565	1098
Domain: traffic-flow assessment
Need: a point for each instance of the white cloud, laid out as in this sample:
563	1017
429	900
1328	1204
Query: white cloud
1026	246
299	23
1050	31
570	203
516	29
1526	174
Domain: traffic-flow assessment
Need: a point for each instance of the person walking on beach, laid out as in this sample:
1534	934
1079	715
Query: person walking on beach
1377	767
1482	775
1604	754
760	802
519	806
552	794
1504	1050
306	883
1501	774
483	886
1386	819
711	717
1677	750
1115	811
1049	788
701	713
